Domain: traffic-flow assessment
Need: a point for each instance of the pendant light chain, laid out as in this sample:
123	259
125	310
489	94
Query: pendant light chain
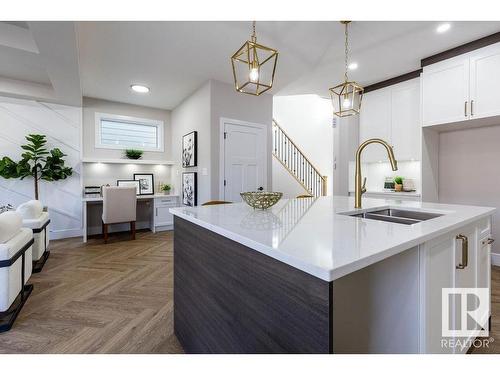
346	51
254	38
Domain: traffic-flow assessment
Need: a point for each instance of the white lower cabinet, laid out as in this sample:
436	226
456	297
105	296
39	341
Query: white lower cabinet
395	305
163	219
460	259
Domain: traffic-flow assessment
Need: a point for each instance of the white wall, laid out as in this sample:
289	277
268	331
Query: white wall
193	114
92	105
226	102
202	112
307	119
100	174
62	125
468	170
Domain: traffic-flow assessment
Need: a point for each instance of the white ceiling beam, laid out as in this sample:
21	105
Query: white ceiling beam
57	45
26	90
17	37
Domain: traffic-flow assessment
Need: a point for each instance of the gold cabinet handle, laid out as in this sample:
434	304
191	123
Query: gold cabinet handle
465	108
465	251
472	108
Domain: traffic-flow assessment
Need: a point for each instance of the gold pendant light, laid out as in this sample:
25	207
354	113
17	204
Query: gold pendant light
254	66
346	97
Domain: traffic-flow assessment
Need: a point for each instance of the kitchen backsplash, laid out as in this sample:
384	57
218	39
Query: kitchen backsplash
376	173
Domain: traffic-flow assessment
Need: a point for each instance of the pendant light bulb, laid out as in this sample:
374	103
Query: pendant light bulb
254	75
346	103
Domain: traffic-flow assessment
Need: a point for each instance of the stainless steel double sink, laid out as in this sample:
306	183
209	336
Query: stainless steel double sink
397	216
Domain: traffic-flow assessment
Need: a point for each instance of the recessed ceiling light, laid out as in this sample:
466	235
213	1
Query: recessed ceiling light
353	66
443	28
140	88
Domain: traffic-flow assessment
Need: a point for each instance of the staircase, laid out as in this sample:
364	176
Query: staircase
296	163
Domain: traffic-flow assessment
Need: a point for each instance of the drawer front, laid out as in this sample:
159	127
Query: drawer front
167	201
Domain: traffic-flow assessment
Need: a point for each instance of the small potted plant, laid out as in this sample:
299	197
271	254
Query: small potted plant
133	154
165	188
398	183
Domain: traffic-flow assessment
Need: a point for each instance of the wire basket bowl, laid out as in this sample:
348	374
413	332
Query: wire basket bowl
261	199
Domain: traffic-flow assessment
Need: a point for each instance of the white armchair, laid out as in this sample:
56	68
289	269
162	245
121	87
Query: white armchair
15	267
119	206
36	219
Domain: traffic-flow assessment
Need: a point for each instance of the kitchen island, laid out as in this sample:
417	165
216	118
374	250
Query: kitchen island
314	276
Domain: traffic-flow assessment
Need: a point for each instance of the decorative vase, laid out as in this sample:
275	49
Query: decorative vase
398	187
166	192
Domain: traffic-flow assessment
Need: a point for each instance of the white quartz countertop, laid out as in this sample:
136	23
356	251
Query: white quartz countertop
312	235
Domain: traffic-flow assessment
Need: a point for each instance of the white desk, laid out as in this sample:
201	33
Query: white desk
160	219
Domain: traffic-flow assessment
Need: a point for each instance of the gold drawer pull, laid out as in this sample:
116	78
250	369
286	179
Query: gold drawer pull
465	251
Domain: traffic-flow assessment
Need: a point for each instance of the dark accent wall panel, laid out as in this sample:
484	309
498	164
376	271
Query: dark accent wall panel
232	299
393	81
459	50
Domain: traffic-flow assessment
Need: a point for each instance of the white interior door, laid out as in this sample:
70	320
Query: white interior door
244	158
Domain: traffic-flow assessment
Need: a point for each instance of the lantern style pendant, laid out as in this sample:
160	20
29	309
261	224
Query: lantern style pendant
254	66
346	97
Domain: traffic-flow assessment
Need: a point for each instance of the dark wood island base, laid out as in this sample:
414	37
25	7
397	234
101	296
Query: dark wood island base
229	298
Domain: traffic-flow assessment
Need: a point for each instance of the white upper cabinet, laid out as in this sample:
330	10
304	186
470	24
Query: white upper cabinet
462	88
445	96
392	114
375	122
484	82
405	121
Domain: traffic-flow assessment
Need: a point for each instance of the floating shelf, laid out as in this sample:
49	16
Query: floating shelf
128	161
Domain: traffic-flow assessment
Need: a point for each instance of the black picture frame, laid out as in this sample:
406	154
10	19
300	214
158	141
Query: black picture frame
190	150
150	182
190	189
128	183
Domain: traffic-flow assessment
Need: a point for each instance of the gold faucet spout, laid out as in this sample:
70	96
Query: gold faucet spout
360	188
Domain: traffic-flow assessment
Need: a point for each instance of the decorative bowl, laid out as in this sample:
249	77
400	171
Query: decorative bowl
261	199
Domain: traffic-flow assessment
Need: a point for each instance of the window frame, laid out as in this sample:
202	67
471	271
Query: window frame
99	117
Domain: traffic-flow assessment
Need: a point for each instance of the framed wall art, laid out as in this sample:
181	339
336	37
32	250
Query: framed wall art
190	150
146	183
189	189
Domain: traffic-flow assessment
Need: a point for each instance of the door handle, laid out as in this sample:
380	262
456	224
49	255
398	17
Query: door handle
260	188
472	108
465	108
465	251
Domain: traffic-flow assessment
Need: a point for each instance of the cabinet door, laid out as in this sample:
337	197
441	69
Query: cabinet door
375	122
485	81
437	272
483	272
405	122
163	216
466	277
445	91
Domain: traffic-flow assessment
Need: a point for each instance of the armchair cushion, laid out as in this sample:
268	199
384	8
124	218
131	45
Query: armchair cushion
10	225
30	210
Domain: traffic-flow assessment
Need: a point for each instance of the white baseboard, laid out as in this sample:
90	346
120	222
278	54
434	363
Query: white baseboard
495	259
65	233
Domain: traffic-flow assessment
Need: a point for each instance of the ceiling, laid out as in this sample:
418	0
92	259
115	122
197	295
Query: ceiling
65	60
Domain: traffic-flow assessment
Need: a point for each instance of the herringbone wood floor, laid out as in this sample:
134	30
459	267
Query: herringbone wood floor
117	298
96	298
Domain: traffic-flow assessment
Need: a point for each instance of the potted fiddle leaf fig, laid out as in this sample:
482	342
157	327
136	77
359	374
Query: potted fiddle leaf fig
37	162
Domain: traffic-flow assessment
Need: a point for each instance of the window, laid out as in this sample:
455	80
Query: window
123	132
